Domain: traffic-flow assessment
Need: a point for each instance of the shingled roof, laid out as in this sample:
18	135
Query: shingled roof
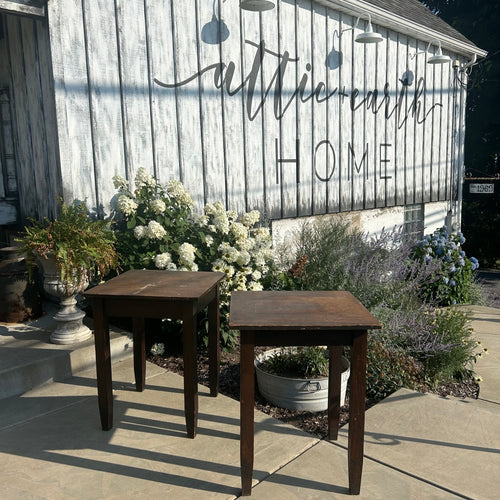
415	11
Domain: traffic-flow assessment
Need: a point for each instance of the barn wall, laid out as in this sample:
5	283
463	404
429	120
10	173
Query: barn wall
281	111
35	182
373	222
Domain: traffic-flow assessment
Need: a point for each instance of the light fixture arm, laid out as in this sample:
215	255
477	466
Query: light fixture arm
422	51
470	63
335	32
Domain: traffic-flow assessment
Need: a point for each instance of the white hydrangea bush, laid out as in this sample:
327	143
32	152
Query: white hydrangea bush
157	228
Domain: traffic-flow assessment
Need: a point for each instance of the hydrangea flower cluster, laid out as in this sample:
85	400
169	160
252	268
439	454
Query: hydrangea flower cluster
454	277
158	229
235	246
244	252
152	223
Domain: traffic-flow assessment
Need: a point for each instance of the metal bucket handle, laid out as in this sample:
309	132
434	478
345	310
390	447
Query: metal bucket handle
310	383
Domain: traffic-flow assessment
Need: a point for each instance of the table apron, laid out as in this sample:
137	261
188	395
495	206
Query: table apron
155	308
299	337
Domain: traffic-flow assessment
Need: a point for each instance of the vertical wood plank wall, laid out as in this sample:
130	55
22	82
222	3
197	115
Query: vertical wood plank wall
33	115
331	129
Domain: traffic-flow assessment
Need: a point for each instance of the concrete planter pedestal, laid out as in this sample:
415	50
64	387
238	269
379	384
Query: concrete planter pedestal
70	328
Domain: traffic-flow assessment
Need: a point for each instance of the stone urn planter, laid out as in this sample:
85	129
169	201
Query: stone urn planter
71	249
309	394
70	328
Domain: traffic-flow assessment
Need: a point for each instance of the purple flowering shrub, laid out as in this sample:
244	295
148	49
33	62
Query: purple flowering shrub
414	331
378	270
454	276
418	342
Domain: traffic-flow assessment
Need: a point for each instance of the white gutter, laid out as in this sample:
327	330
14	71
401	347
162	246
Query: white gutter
401	25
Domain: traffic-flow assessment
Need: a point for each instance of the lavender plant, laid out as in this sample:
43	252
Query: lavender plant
452	326
378	270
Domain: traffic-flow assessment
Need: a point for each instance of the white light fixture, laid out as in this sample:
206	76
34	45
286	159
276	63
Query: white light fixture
439	57
256	5
369	36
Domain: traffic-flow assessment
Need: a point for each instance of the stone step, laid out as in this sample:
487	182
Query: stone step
28	359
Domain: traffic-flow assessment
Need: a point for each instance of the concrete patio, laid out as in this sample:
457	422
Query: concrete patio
417	446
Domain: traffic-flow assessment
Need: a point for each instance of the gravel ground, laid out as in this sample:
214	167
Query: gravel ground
313	422
489	279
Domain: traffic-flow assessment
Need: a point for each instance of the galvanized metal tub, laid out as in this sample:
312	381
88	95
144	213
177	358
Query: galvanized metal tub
297	393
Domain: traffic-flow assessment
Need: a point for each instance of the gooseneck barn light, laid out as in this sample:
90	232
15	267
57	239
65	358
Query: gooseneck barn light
439	57
369	36
256	5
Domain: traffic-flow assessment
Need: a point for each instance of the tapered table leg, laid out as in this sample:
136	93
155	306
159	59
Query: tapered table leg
357	412
139	353
247	392
103	366
334	388
190	373
214	344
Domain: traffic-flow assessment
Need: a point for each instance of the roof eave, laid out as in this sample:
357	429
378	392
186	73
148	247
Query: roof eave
387	19
35	8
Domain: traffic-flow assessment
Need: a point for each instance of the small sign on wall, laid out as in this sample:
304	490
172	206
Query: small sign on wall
482	188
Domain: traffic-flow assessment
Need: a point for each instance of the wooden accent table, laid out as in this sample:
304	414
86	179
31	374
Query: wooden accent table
282	318
143	294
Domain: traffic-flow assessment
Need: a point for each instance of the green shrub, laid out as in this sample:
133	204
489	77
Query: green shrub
453	327
389	369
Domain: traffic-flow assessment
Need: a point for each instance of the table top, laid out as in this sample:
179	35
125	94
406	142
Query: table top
153	284
299	310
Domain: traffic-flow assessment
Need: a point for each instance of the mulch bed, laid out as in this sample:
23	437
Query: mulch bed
312	422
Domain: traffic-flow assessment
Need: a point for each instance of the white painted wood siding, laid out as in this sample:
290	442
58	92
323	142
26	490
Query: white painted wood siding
286	114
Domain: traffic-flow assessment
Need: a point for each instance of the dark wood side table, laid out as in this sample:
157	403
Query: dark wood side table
282	318
140	294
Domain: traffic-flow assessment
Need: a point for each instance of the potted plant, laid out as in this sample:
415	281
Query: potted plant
72	250
297	377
